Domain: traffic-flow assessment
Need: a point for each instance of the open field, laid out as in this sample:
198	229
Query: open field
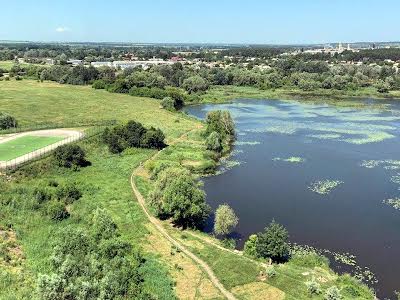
7	64
59	104
219	94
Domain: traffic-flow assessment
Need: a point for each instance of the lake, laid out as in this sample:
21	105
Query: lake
325	171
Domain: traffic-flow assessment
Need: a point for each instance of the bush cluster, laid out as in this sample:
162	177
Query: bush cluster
7	121
53	199
70	156
133	134
93	264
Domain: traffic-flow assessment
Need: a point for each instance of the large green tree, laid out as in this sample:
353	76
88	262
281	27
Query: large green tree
273	242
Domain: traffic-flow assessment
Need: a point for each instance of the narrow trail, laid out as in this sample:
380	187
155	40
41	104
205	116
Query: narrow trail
157	224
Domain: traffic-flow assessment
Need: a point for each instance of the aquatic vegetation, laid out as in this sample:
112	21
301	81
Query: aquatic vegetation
292	159
370	164
361	273
325	136
228	164
395	179
324	187
395	203
236	151
250	143
388	164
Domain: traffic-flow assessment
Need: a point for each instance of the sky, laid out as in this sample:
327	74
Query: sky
202	21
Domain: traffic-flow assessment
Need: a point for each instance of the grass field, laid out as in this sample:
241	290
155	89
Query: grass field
218	94
7	64
59	104
25	144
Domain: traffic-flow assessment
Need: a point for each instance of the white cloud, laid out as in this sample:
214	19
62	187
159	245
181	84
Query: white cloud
62	29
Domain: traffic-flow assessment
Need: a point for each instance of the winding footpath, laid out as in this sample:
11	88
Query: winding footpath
157	224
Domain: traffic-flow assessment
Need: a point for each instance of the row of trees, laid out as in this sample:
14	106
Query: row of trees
133	134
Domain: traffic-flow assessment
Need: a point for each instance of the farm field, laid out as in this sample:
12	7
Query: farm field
25	144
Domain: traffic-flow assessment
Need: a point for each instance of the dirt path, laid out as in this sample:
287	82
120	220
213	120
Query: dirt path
157	224
68	134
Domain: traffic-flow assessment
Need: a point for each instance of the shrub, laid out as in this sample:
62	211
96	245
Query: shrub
41	195
250	246
56	211
70	156
99	84
313	287
168	103
270	271
332	293
7	121
68	193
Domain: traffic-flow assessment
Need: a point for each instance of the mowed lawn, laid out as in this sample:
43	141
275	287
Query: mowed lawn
34	103
25	144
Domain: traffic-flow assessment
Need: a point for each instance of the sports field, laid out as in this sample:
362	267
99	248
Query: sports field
25	144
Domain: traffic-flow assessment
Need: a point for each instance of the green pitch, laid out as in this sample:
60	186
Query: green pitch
25	144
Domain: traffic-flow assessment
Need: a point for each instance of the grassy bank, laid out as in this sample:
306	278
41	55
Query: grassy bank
220	94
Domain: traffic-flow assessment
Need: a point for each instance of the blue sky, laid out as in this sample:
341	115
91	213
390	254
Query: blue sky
202	21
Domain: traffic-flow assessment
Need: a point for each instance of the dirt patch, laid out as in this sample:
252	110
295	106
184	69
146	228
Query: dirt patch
258	291
191	282
11	254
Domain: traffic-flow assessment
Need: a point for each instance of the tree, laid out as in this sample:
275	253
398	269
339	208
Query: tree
225	220
7	121
153	138
70	156
185	202
195	84
273	242
220	122
250	246
382	87
177	195
214	142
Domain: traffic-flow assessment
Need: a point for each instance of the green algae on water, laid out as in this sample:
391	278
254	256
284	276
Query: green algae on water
324	187
292	159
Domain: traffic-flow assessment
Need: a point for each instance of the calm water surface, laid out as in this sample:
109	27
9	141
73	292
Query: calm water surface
360	147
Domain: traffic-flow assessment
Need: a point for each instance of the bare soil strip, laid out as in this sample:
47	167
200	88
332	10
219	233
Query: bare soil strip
157	224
